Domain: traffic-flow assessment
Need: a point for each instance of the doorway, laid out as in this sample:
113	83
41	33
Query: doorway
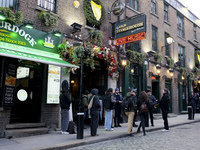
156	93
28	96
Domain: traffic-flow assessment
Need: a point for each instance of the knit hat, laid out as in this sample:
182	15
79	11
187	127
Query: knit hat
117	89
86	92
134	90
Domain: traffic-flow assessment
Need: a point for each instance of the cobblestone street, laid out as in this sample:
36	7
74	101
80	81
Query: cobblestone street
183	137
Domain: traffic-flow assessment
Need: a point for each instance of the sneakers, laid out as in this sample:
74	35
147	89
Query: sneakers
64	132
164	130
109	130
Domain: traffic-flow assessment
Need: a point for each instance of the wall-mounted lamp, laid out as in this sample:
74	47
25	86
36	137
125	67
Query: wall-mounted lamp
72	81
76	27
76	3
158	68
182	77
169	40
123	61
171	71
132	71
2	17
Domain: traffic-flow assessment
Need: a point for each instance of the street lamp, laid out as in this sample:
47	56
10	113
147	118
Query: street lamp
158	68
123	61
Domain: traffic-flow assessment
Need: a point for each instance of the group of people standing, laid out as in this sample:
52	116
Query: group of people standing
114	101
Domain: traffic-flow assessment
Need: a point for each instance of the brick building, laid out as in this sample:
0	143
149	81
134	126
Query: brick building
163	19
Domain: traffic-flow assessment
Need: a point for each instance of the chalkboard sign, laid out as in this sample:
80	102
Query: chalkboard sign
10	81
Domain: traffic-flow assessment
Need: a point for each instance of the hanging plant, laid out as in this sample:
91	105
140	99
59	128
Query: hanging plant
135	57
170	62
157	57
196	71
88	12
12	15
191	76
184	72
96	37
64	49
49	19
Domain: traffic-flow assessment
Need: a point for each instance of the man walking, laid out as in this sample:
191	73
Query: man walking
129	107
152	102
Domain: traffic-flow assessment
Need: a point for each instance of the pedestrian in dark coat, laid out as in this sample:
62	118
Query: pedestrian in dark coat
143	98
94	111
118	107
192	102
65	105
164	106
152	102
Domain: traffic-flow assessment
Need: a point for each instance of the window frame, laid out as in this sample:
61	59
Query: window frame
50	6
154	39
181	55
135	46
167	46
166	12
180	25
195	31
133	4
154	7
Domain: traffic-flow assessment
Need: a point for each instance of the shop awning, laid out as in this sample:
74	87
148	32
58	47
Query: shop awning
31	57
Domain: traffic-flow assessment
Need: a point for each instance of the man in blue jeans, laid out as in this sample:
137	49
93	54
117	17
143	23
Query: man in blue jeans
65	106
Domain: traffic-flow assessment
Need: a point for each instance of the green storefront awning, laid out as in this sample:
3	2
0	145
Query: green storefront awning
31	57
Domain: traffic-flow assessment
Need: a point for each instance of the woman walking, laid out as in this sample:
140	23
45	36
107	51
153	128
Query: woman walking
142	106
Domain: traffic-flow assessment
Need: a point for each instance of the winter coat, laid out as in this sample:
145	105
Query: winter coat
140	102
133	100
118	99
85	102
96	104
108	103
164	103
192	101
65	99
152	100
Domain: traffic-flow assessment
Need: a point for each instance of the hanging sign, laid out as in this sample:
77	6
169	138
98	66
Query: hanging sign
96	10
118	8
130	30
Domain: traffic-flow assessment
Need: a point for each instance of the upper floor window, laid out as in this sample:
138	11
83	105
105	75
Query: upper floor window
195	32
167	46
180	25
135	46
166	12
154	38
133	4
9	3
153	6
181	55
48	4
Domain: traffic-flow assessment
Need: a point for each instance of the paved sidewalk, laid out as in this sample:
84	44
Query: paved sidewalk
55	140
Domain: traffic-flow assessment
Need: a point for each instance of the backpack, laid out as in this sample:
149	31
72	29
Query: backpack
143	108
127	103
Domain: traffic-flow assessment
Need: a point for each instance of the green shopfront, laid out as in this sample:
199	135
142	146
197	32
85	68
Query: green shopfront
30	76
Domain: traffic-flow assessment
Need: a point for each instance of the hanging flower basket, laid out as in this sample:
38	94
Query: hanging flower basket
49	19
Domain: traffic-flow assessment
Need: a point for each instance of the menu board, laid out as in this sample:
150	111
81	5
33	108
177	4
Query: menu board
53	84
10	81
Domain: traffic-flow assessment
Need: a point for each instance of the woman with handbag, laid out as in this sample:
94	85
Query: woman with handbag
94	107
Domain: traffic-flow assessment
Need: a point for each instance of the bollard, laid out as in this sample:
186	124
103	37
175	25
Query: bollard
80	125
190	112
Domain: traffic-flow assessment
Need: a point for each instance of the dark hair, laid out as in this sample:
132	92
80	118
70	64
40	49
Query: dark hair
129	90
143	96
166	90
110	90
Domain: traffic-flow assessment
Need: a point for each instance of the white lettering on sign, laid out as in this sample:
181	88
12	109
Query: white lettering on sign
21	32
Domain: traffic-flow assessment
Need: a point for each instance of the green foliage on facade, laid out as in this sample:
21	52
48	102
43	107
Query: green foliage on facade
135	57
87	9
170	62
49	19
96	37
157	57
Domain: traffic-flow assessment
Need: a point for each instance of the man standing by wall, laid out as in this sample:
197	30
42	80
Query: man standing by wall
118	101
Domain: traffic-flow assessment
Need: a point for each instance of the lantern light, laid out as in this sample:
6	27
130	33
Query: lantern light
158	68
76	3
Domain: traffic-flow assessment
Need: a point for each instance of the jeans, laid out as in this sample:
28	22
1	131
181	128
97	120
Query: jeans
108	119
64	119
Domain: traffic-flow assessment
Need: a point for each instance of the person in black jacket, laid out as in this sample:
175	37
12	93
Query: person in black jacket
192	102
94	111
65	106
164	106
118	107
152	102
108	105
143	99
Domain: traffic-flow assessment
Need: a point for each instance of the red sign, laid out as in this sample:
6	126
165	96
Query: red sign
131	38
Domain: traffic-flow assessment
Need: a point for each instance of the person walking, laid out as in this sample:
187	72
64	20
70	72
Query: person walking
65	106
129	109
152	102
164	106
142	106
108	105
94	111
118	102
192	102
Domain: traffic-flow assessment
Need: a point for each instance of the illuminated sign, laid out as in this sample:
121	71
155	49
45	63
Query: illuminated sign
49	43
130	30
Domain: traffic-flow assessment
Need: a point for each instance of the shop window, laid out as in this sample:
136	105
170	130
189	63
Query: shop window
180	25
154	39
133	4
48	5
181	55
153	7
195	32
166	12
9	3
135	46
167	46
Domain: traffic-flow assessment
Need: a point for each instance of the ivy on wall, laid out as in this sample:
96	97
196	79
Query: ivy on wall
49	19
